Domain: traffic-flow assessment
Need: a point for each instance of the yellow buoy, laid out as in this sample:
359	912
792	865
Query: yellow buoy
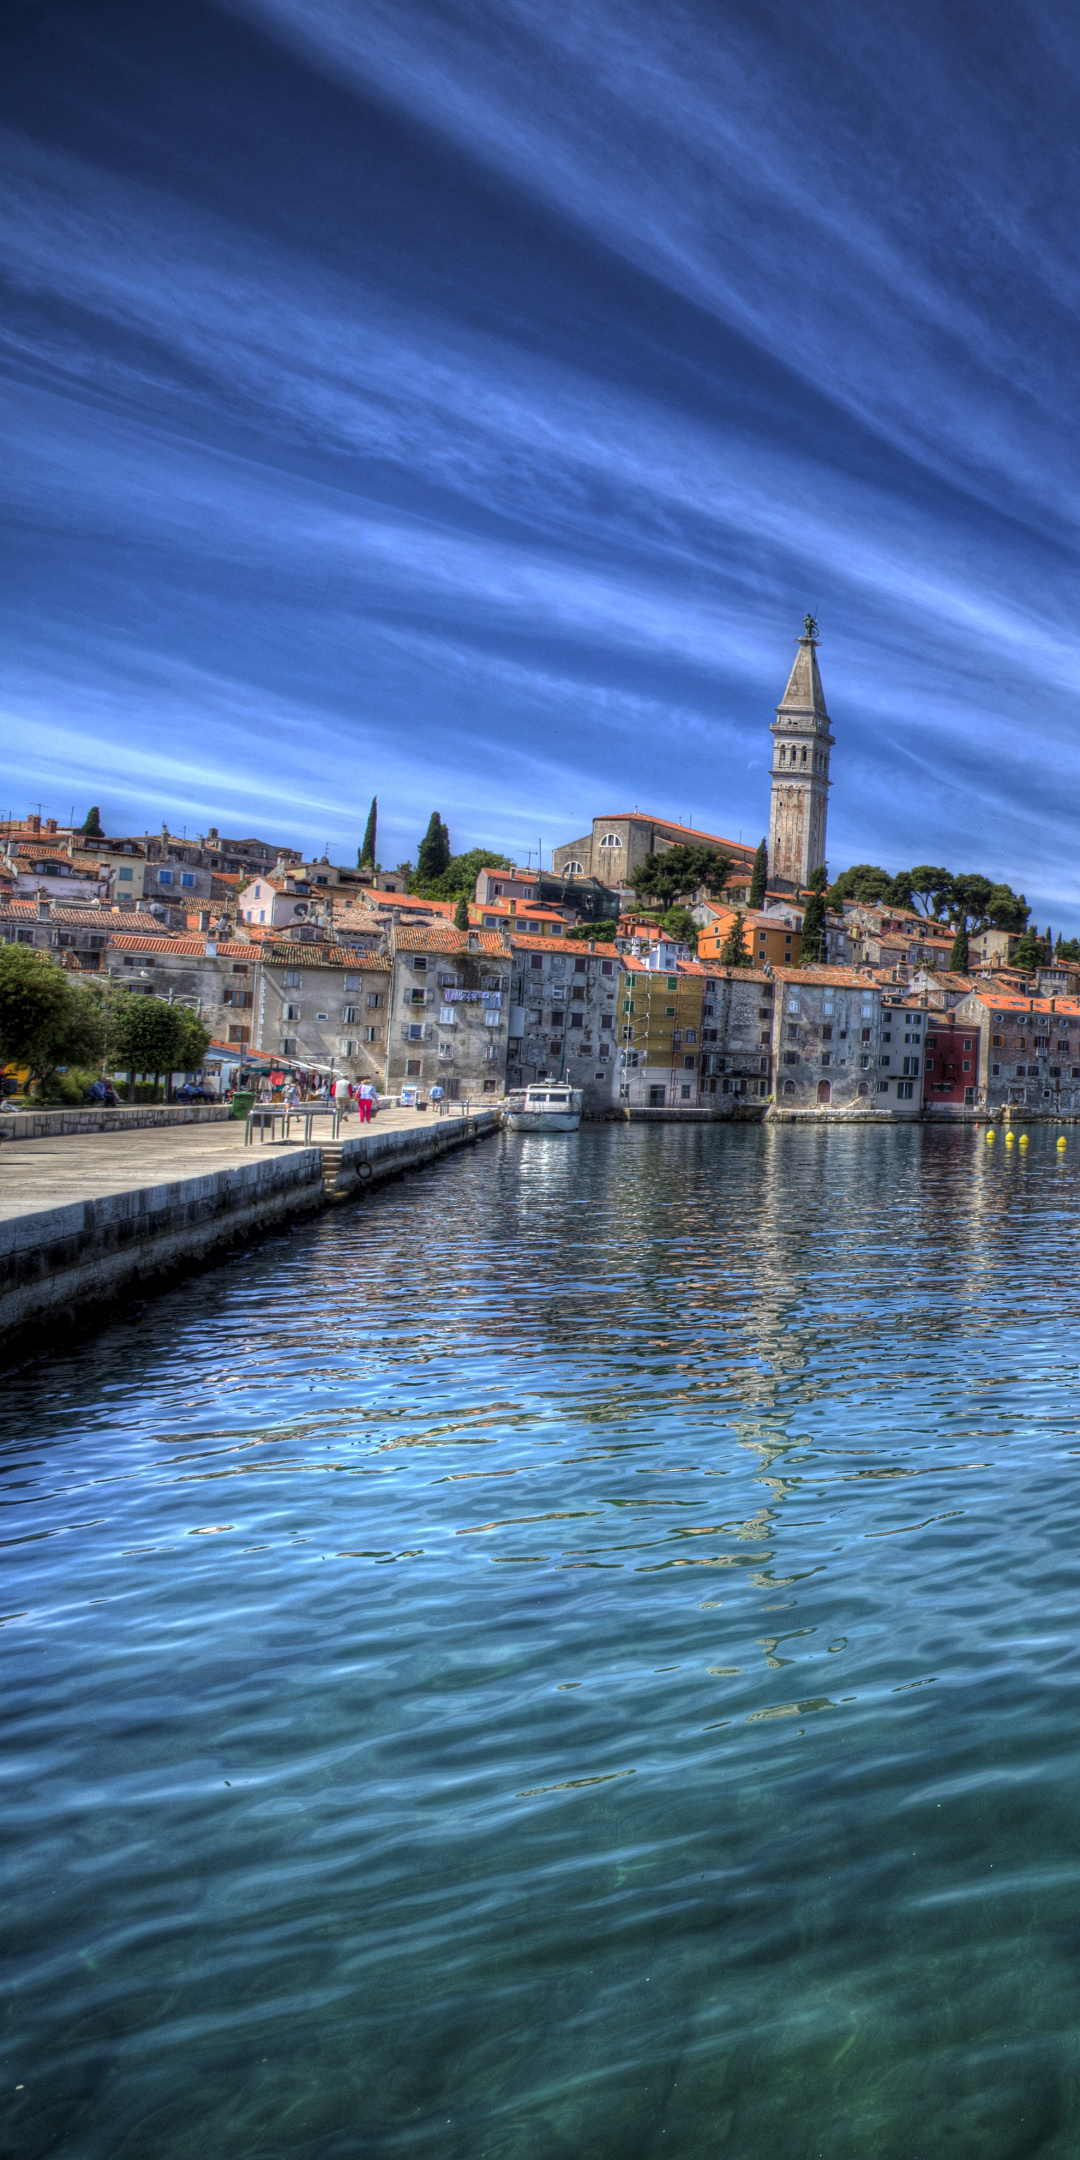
1023	1139
1010	1139
1062	1142
990	1139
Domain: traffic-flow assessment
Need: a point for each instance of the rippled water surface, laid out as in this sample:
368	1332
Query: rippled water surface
575	1657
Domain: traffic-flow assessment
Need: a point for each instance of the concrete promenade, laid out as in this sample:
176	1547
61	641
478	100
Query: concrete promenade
88	1220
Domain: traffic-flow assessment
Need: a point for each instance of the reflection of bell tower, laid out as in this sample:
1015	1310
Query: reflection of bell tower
800	770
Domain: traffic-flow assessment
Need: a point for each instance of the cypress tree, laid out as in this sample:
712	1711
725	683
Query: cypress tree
92	825
461	914
433	854
958	958
367	852
733	951
759	876
813	931
1028	954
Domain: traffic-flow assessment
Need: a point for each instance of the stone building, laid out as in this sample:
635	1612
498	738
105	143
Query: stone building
617	845
449	1010
216	979
802	740
324	1007
82	931
836	1052
564	1016
1023	1051
737	1038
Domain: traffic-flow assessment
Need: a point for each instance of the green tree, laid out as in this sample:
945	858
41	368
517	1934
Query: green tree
670	876
864	881
680	925
92	826
46	1019
1029	954
195	1041
433	854
602	932
813	931
461	914
149	1035
930	886
759	876
958	958
818	879
733	952
460	874
367	852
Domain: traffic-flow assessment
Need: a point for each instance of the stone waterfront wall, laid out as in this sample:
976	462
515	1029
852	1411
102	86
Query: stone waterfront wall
50	1124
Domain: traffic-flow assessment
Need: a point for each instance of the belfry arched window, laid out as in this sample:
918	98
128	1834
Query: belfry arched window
610	839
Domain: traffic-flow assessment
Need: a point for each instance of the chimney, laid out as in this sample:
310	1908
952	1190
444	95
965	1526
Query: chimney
204	920
50	824
474	941
34	824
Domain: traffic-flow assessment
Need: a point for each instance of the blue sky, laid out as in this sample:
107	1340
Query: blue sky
464	403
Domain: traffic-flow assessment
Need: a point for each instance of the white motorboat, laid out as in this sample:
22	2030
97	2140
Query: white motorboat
546	1106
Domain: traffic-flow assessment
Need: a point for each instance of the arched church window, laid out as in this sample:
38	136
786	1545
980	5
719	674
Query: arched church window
611	839
804	757
572	869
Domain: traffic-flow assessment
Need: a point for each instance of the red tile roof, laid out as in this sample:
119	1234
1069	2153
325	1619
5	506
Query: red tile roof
78	917
693	832
435	937
841	978
285	954
185	948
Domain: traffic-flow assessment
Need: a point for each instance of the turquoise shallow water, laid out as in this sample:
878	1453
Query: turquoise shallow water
578	1656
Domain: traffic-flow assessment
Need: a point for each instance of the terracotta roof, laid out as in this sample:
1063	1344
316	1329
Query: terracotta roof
693	832
532	941
437	938
184	947
85	917
840	977
282	954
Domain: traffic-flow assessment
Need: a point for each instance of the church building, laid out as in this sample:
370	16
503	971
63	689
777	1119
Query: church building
802	739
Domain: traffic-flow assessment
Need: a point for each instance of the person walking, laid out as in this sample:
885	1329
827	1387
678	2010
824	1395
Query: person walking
438	1098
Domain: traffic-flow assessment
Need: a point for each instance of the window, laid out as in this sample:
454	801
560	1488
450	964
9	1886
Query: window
967	1065
967	1044
581	967
290	1012
572	869
371	1034
536	960
610	839
322	1016
690	1035
187	877
239	1034
791	1057
865	1037
576	1019
826	1034
415	1031
673	982
347	1047
930	1066
657	1098
419	966
826	1057
351	982
164	877
607	967
125	876
288	1046
348	1015
628	1034
689	1064
412	1068
997	1041
447	1016
883	1087
292	979
373	999
607	1020
669	1012
906	1090
995	1069
789	1087
911	1064
685	1093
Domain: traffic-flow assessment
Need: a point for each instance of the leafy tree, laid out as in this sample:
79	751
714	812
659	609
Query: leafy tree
1006	910
603	932
733	952
958	958
864	881
669	876
1029	954
195	1041
92	826
680	925
818	879
433	854
759	876
46	1019
813	930
1067	949
149	1035
367	852
930	886
405	870
461	914
459	876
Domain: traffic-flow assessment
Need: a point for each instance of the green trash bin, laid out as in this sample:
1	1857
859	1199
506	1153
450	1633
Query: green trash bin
242	1102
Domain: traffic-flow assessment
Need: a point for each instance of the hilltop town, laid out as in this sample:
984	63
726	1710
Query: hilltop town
663	970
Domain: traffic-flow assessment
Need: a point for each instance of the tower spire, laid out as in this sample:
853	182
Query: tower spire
802	739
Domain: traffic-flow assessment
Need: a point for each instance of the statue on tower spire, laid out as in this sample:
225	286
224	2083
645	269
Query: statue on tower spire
810	627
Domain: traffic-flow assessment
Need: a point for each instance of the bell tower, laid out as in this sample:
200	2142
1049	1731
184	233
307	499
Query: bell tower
802	738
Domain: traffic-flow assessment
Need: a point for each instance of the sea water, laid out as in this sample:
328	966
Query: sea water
578	1655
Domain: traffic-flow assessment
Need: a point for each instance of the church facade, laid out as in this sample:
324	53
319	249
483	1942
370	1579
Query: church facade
802	739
